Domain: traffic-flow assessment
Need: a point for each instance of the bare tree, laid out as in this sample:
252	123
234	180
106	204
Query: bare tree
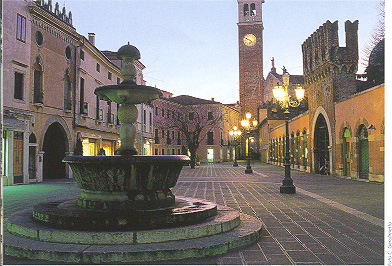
377	36
193	122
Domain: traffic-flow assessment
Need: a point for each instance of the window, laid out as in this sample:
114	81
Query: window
150	120
83	110
98	67
246	10
109	118
39	38
82	55
252	9
163	133
191	115
156	110
38	94
109	75
144	119
21	28
97	113
67	92
163	112
18	85
68	52
210	138
210	116
118	80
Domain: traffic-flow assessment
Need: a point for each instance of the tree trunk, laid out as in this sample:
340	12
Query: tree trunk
193	159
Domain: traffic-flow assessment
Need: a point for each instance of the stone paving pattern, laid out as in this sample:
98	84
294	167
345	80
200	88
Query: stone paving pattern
329	221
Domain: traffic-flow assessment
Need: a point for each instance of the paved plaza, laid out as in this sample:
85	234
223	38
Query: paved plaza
329	221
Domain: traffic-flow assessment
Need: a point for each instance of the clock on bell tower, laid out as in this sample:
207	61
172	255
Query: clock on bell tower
250	40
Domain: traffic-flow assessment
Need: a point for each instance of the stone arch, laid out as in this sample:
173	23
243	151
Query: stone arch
65	128
360	121
320	157
55	148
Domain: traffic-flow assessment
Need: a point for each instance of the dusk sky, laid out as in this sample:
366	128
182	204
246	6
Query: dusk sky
191	46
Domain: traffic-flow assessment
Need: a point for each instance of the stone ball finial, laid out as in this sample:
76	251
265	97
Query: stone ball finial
129	51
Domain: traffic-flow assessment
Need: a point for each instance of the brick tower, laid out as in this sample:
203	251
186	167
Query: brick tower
250	39
330	76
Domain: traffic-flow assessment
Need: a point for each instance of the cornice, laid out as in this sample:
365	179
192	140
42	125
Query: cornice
250	23
95	52
41	15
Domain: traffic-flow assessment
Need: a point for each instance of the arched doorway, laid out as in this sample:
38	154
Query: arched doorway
363	148
54	148
321	143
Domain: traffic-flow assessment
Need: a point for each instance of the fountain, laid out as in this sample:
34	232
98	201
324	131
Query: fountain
127	211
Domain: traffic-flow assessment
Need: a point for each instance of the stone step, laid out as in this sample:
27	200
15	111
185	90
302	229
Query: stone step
21	224
247	232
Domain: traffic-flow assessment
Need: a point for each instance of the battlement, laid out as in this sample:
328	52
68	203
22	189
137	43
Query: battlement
322	47
47	6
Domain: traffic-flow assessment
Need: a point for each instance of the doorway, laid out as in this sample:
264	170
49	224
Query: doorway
321	144
18	157
346	152
210	155
363	153
54	147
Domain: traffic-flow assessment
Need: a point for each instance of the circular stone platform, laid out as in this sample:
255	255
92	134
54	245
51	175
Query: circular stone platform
67	214
227	230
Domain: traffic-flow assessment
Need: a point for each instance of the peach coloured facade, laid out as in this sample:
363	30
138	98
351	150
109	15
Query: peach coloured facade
365	109
363	112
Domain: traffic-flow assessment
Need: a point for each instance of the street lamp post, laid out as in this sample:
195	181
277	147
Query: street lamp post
235	133
248	126
284	99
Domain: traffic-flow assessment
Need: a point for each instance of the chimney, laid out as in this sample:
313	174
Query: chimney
91	38
213	99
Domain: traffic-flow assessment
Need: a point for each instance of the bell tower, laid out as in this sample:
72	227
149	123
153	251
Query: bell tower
250	40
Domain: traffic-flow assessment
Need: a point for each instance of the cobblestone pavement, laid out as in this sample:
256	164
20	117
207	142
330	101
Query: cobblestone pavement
329	221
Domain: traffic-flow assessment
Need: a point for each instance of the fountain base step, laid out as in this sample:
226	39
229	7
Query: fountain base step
226	231
67	214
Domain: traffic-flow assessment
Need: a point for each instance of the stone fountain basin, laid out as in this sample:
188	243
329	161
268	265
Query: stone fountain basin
128	93
126	182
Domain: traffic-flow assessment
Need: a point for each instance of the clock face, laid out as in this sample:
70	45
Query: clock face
249	39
